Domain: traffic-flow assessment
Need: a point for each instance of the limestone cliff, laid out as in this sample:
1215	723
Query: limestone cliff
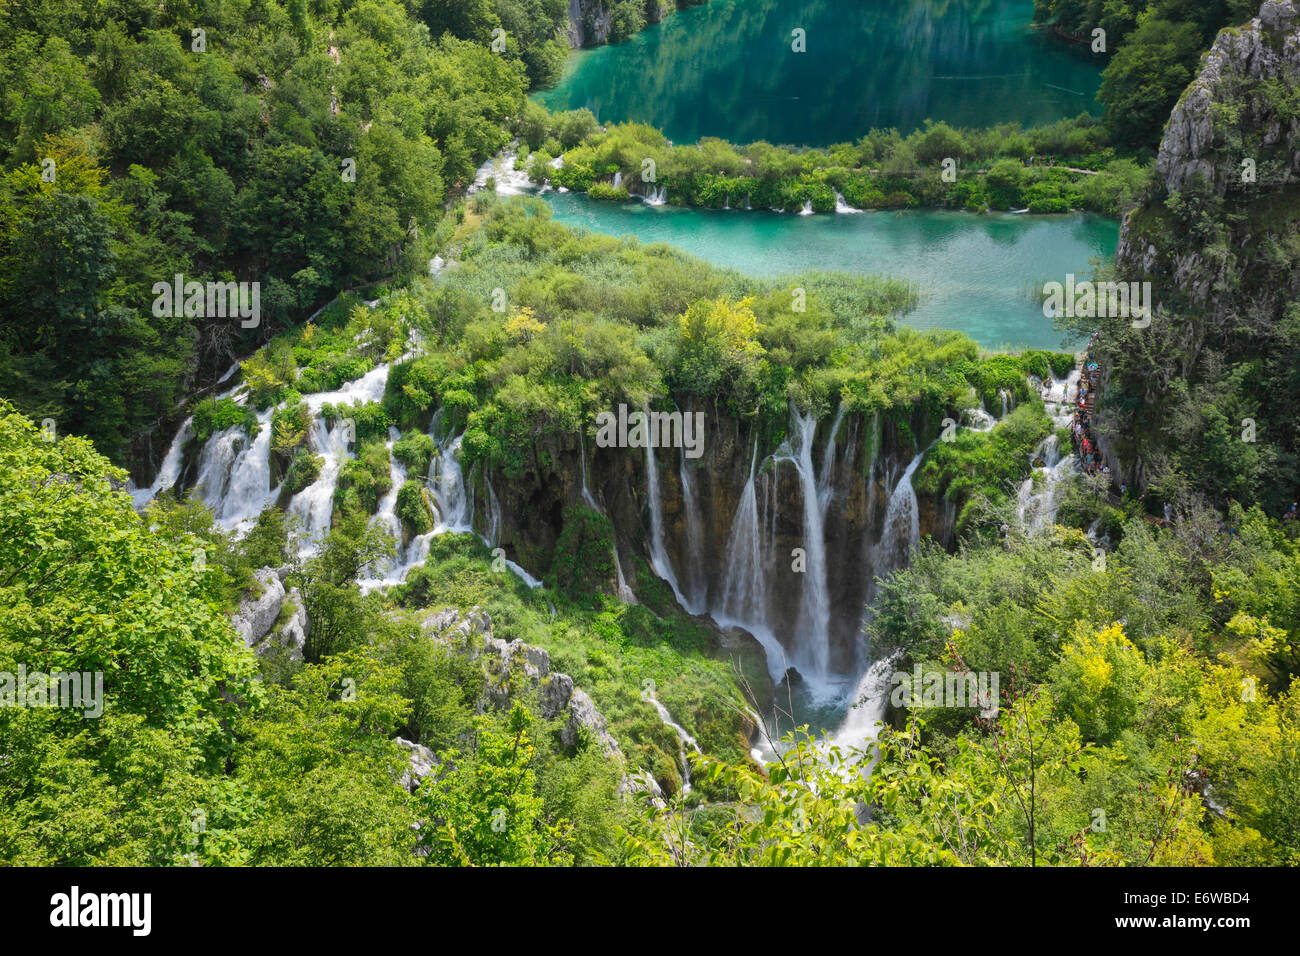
1218	241
594	22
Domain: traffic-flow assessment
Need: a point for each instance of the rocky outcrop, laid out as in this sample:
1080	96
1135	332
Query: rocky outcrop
592	21
258	616
421	763
865	466
512	669
1218	244
1197	145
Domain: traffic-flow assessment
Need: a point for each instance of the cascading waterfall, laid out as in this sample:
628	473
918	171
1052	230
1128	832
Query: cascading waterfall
314	505
455	505
902	528
744	594
169	470
658	554
697	583
684	740
249	490
1036	502
816	611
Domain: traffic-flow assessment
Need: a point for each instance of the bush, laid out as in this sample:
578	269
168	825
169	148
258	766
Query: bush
415	450
414	508
363	481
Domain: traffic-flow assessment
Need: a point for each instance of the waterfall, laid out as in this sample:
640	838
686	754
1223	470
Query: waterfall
168	471
696	582
684	740
494	517
744	593
625	592
501	169
586	492
807	209
1036	502
658	554
902	528
866	712
389	570
618	179
314	505
816	611
455	506
841	206
248	491
825	480
656	196
981	420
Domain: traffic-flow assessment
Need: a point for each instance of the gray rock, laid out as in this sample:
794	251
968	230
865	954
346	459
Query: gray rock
421	763
256	616
583	713
1268	48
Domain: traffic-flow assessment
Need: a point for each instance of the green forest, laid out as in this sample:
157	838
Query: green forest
1147	639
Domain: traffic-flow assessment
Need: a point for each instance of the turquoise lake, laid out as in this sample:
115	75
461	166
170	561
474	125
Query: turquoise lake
728	69
974	273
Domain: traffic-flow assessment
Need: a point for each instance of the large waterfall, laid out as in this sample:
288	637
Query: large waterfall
821	500
744	592
659	559
816	614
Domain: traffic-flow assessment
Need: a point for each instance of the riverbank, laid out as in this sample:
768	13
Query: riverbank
1059	168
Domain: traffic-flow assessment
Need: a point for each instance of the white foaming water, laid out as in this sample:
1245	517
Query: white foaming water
902	530
816	611
314	505
697	584
1036	502
807	209
168	471
455	505
408	554
684	740
501	169
862	723
618	179
744	595
658	554
1059	396
843	207
247	490
656	196
981	421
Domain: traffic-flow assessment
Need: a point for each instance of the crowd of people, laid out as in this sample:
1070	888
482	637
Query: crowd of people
1085	441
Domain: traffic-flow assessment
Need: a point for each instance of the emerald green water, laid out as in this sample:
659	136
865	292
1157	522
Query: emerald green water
727	69
974	273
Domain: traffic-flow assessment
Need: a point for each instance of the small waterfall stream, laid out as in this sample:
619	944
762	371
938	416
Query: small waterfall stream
684	740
